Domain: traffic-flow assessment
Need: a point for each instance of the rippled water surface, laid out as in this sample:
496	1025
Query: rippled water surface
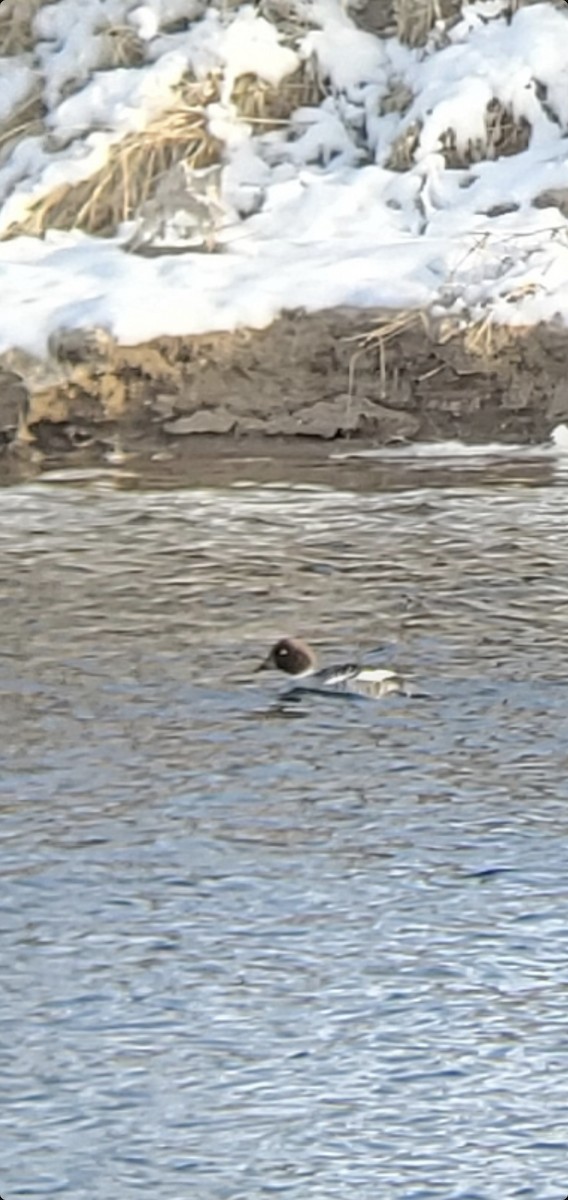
253	947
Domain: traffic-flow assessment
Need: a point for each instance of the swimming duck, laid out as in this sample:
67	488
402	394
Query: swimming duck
297	659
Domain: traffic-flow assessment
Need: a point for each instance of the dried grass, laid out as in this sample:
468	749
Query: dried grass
385	331
487	339
261	103
505	135
483	339
291	18
375	16
390	327
135	165
119	46
403	148
16	21
397	99
415	19
24	121
479	338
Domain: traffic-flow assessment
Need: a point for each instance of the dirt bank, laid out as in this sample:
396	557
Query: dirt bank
380	377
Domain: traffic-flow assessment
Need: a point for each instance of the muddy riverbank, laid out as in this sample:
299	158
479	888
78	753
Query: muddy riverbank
382	378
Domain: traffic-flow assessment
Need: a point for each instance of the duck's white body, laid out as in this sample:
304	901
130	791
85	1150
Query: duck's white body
299	662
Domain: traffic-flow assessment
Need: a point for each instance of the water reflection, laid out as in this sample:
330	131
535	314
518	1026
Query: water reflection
253	947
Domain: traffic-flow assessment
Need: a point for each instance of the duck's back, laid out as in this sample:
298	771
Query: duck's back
358	680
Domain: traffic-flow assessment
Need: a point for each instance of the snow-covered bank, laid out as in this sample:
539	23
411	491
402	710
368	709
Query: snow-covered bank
171	169
480	132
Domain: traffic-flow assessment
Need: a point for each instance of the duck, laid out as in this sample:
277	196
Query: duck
298	660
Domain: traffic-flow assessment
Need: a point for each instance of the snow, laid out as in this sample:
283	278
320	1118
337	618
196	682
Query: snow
69	42
310	214
494	61
16	84
250	46
347	56
122	100
434	453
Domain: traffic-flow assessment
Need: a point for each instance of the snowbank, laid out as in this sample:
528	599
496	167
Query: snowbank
433	177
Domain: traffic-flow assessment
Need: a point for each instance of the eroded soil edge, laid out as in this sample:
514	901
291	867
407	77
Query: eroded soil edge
375	376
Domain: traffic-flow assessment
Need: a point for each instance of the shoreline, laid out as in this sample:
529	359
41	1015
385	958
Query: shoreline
343	376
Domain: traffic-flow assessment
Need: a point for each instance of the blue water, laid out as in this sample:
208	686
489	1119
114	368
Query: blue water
252	948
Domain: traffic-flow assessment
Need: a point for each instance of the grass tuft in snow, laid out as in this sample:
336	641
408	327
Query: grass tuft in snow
403	149
16	25
415	19
119	46
504	136
135	166
261	103
24	121
138	163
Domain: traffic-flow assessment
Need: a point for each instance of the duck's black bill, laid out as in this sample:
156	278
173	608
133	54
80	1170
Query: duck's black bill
263	666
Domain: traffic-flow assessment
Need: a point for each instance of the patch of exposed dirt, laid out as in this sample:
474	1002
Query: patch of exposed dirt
379	377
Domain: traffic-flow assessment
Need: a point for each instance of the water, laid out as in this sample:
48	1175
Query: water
252	948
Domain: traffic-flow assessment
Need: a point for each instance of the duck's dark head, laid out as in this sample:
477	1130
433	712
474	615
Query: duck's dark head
292	656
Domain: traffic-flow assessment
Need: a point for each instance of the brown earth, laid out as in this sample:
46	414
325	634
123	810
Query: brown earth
375	377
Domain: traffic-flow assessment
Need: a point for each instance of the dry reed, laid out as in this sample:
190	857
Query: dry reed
387	330
26	120
16	25
264	104
504	135
115	194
